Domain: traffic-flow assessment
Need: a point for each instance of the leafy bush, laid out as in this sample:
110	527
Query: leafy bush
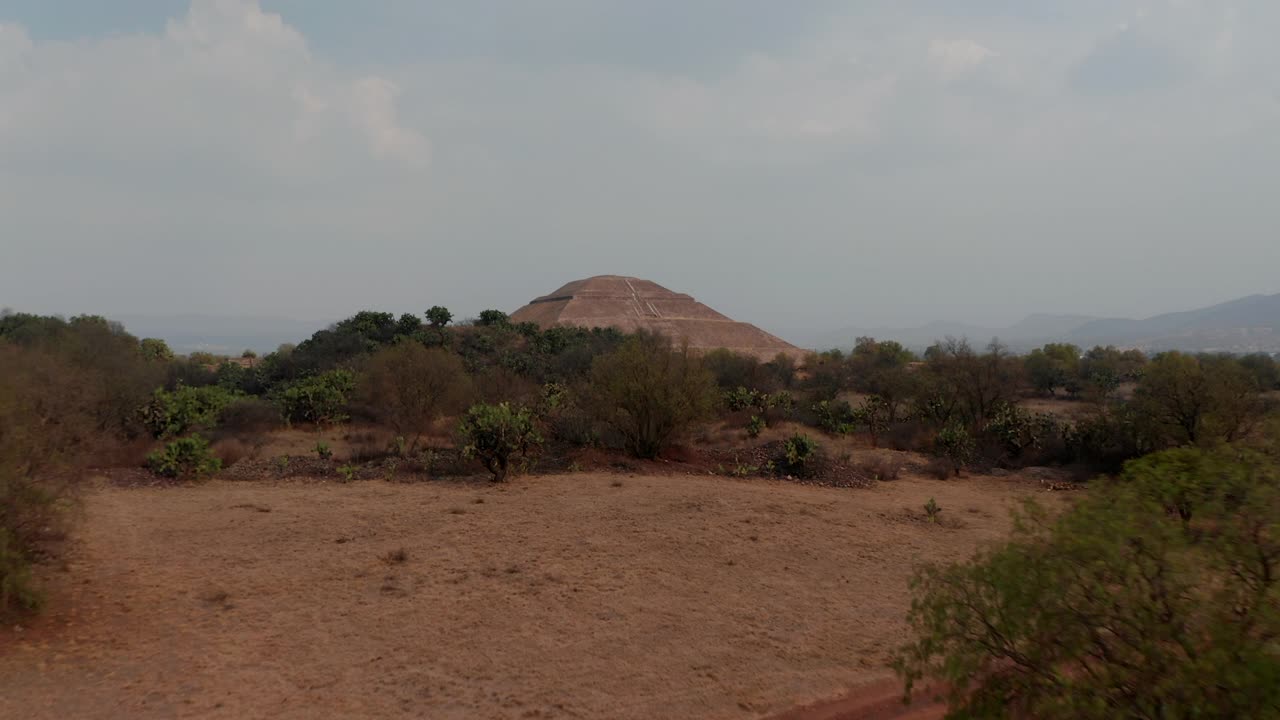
1106	439
835	416
495	433
320	399
1122	607
1017	432
740	398
797	452
322	451
956	445
188	457
649	392
755	426
185	410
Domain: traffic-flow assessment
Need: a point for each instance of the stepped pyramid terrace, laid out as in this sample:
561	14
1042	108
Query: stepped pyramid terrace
631	304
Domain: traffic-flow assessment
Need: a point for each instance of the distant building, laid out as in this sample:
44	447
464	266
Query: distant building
630	304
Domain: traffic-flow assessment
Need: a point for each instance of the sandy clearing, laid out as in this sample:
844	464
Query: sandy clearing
560	596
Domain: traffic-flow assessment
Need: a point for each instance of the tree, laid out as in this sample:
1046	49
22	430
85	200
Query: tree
1056	365
496	433
438	316
1182	399
155	349
1156	596
409	387
967	386
491	318
1104	368
649	392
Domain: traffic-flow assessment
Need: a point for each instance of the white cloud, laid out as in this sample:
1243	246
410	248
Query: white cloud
228	86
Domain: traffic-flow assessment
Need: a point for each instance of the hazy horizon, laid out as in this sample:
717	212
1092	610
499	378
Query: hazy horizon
811	167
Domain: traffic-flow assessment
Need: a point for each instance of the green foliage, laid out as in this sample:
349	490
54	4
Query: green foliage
1105	368
188	457
835	416
1156	596
347	472
184	410
956	445
155	350
1018	431
495	433
320	399
797	452
875	414
932	510
649	392
1054	366
490	318
755	426
439	316
322	451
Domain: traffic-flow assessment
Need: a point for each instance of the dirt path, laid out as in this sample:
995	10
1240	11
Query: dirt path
551	597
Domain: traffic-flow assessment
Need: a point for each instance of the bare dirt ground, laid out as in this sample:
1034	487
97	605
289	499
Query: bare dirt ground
575	596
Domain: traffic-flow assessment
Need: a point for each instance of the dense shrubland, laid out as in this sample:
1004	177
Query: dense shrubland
1156	596
83	391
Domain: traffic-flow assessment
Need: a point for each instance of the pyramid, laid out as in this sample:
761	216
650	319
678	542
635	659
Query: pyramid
630	304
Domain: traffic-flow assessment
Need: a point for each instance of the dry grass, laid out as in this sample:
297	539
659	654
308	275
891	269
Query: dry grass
565	596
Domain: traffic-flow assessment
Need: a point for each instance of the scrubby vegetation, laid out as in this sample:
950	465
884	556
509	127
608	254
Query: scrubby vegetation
1157	596
83	391
497	433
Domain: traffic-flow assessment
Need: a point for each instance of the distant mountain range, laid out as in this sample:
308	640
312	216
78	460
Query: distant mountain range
221	335
1250	324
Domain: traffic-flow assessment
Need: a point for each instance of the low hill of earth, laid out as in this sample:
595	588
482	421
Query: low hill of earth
1249	324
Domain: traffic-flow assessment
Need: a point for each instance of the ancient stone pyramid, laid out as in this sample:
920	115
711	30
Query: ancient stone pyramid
631	304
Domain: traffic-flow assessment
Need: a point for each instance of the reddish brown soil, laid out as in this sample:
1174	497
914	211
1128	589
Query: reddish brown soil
584	595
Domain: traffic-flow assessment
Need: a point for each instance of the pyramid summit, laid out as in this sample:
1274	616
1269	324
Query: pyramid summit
630	304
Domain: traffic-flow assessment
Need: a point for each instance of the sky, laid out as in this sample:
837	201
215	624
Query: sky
797	165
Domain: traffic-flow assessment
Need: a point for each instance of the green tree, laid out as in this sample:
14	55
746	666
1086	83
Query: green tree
496	433
155	349
1154	597
649	392
1056	365
491	318
439	316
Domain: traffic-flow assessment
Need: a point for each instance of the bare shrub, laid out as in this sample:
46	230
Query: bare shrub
249	416
410	386
939	468
649	392
880	467
231	450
